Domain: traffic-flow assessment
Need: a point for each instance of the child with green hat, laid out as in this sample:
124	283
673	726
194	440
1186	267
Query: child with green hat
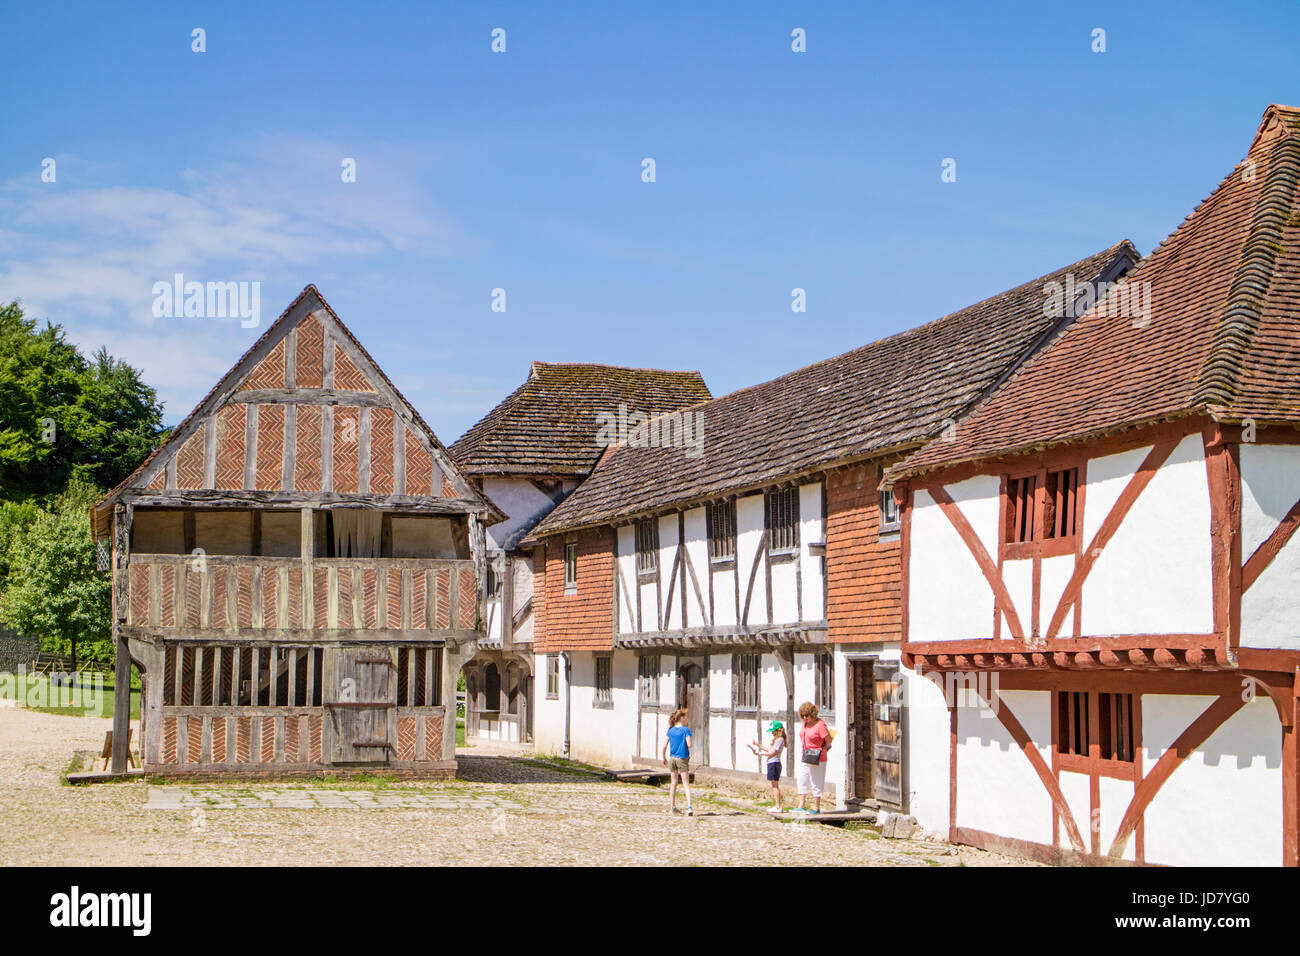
773	753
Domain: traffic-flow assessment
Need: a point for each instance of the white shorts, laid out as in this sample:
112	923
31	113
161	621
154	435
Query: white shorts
810	776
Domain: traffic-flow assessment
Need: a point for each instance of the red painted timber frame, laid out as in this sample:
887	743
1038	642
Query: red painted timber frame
1140	662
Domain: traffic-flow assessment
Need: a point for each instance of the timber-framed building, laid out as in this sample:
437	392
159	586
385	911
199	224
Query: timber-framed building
527	455
758	570
1102	562
296	570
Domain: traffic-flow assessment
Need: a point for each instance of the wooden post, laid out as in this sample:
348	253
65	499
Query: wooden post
308	548
507	603
1291	779
122	515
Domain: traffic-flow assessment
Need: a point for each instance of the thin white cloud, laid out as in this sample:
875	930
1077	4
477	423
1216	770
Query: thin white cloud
85	252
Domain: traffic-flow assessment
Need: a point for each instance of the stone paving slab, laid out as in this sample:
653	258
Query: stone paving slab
499	811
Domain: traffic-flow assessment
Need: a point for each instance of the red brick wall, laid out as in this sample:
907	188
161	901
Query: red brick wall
863	573
583	621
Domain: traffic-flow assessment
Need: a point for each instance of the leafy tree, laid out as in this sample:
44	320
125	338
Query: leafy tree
64	417
15	517
54	591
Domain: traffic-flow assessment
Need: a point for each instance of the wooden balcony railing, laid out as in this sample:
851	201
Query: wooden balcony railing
234	594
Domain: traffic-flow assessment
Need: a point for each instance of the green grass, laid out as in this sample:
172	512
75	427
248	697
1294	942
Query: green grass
34	691
74	766
460	733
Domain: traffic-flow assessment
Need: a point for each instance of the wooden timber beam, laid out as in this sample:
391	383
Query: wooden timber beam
291	499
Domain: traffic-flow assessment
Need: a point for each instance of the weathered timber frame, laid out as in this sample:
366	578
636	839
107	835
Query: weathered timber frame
304	421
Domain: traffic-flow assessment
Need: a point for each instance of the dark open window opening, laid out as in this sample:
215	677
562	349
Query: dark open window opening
419	676
1115	722
1116	735
512	688
491	688
227	675
277	533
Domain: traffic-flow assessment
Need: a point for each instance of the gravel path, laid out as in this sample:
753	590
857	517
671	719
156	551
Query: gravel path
499	811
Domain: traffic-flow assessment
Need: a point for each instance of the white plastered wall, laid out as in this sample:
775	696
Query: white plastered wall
948	596
1154	576
749	538
1270	487
1223	805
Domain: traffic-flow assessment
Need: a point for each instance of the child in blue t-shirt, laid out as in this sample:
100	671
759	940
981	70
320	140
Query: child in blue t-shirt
677	749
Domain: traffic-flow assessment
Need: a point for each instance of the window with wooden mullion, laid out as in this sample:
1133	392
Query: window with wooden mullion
783	519
647	546
1060	503
722	530
1020	509
1058	519
1116	735
1115	718
745	667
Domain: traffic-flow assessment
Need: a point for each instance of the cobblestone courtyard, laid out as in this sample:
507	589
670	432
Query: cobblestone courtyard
498	811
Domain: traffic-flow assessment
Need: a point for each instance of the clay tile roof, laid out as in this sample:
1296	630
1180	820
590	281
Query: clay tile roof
549	424
892	394
1221	336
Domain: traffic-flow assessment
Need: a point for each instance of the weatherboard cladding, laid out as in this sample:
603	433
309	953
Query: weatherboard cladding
577	618
549	424
891	394
1221	335
863	583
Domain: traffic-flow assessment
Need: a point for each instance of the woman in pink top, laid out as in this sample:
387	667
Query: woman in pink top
814	741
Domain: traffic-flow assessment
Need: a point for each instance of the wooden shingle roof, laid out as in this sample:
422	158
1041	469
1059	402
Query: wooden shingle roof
549	424
1221	337
890	395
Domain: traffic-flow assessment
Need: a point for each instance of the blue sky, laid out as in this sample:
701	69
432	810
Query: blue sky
522	171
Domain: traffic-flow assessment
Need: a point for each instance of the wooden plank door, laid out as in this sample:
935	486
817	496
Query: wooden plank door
690	694
363	705
887	752
861	727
